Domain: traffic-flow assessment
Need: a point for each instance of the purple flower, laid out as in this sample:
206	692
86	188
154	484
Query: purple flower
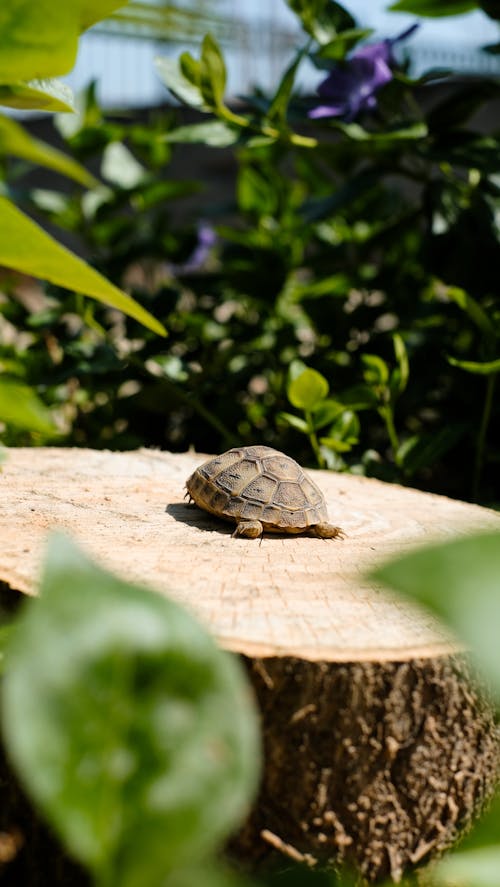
352	86
207	238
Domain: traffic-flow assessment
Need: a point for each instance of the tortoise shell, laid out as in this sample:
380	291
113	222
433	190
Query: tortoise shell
260	489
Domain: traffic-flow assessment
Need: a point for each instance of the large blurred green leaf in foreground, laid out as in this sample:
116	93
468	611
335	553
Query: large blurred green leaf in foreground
16	141
460	582
471	868
133	732
44	95
21	407
41	39
26	247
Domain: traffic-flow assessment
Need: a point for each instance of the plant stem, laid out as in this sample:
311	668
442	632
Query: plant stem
388	417
314	440
206	414
294	137
303	141
481	437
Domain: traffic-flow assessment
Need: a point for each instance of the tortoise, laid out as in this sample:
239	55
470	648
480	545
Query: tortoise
261	490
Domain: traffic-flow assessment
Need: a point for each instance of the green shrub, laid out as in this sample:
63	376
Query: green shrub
337	242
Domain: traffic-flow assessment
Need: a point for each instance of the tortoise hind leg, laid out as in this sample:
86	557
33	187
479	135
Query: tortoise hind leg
251	529
326	531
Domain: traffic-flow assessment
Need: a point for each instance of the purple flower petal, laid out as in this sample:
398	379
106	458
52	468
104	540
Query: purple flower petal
375	51
405	34
206	235
352	86
350	89
327	111
207	238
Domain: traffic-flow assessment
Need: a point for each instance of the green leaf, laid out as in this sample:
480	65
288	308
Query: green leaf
260	141
332	459
92	11
5	631
200	84
354	131
337	48
434	8
296	368
335	444
322	19
256	192
359	397
215	134
212	73
345	428
42	95
120	167
172	75
468	304
335	285
278	108
16	141
458	581
21	407
325	412
26	247
169	365
399	377
294	422
207	875
347	193
470	868
190	68
376	370
305	391
37	39
422	450
486	368
485	829
142	748
40	39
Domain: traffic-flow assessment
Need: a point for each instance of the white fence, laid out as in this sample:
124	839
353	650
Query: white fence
258	46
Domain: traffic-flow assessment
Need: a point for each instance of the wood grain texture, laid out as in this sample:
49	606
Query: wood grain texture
290	595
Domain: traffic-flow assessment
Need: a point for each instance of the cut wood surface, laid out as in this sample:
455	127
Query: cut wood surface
378	748
289	595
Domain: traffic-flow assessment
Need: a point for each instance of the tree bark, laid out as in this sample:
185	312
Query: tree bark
378	765
378	747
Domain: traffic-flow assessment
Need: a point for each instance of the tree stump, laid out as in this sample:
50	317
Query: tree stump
378	748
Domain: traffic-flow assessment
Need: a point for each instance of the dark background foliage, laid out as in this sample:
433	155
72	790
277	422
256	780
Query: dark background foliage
320	256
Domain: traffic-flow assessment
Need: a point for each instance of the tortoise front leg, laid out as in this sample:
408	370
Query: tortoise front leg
252	529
